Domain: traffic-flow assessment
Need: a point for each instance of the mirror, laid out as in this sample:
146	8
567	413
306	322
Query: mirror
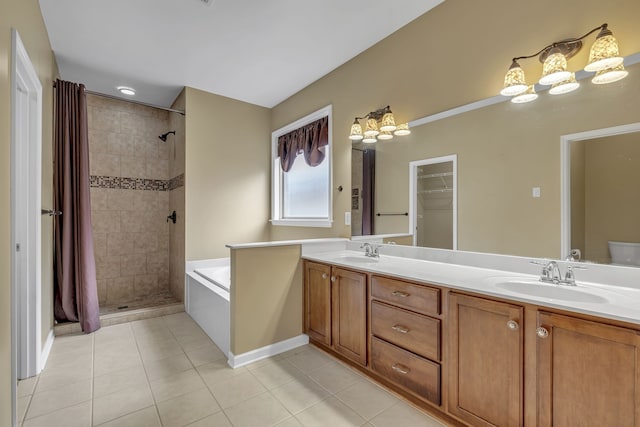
601	199
509	165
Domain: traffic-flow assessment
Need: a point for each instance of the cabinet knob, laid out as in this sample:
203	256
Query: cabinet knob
400	368
399	328
513	325
542	332
400	294
333	278
324	275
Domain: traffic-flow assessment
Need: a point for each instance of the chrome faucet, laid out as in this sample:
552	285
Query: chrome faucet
370	250
551	273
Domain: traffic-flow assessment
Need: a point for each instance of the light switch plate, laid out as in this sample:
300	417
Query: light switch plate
535	192
347	218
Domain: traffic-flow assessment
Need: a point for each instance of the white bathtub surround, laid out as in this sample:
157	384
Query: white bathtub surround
615	296
207	299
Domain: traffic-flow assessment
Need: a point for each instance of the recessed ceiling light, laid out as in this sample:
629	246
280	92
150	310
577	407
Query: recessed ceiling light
126	90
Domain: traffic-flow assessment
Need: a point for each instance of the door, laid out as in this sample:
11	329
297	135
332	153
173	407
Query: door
588	373
317	302
26	146
486	361
433	199
349	290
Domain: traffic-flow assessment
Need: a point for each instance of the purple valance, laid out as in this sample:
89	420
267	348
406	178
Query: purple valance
310	140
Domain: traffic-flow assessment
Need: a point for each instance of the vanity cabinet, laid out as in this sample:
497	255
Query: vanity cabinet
405	335
336	310
588	373
485	361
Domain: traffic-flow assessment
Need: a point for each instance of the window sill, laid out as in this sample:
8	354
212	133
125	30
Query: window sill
320	223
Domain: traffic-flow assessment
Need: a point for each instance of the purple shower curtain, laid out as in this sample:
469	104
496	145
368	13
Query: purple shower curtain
75	287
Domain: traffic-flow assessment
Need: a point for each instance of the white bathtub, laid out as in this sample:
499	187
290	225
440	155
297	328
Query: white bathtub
207	298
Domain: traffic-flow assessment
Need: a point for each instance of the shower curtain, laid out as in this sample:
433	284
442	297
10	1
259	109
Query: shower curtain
75	287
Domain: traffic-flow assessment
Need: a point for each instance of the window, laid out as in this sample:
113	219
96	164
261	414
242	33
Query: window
301	196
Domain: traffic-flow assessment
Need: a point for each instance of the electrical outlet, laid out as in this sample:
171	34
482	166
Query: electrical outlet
535	192
347	218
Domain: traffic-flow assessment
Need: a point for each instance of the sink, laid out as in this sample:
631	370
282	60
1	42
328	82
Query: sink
544	290
358	259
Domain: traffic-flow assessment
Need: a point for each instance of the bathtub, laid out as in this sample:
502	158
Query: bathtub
207	298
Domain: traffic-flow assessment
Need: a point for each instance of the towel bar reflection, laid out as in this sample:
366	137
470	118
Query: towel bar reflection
392	214
50	212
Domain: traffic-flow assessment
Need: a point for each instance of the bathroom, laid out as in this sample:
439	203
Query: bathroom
222	151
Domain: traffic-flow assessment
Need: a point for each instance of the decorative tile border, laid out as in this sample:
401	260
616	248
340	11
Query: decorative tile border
116	182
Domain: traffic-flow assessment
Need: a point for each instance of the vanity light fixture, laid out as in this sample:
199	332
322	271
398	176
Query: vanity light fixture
373	132
604	60
126	90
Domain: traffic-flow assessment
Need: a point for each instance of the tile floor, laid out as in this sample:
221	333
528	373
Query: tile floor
166	372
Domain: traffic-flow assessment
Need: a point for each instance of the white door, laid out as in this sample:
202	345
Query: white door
26	147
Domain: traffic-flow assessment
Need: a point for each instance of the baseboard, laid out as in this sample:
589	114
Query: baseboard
236	361
44	356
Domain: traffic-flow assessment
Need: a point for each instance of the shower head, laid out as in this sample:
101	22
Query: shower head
164	136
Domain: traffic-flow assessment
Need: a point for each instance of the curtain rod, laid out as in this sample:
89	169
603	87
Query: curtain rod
104	95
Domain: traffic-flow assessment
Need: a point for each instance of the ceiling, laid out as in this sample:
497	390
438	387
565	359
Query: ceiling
259	52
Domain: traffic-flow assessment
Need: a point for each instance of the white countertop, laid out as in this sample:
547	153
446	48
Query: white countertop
612	302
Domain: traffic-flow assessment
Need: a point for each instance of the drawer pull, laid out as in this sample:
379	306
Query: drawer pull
400	294
513	325
400	368
333	278
400	329
324	275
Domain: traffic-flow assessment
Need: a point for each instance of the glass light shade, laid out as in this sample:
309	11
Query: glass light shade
369	139
402	129
356	131
604	54
385	135
528	96
610	75
554	69
388	123
566	86
371	129
514	82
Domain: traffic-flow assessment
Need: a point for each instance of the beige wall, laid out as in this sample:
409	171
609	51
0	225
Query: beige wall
453	55
612	197
130	231
176	147
266	296
25	16
228	178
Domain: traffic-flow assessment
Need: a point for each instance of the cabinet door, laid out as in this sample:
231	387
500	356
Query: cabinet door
588	373
317	302
486	361
350	314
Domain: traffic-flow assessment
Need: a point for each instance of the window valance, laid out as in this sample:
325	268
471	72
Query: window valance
310	140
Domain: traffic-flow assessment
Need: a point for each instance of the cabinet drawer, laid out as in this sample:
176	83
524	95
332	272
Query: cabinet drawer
414	332
408	295
406	369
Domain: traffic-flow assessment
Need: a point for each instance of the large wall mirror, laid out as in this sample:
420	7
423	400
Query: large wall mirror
508	166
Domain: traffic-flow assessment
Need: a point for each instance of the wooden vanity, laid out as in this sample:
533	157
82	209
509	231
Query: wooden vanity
474	359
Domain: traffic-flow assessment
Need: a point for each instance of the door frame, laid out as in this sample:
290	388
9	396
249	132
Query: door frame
26	152
565	175
413	196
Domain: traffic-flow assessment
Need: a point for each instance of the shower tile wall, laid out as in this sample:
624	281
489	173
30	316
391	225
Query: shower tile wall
129	199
